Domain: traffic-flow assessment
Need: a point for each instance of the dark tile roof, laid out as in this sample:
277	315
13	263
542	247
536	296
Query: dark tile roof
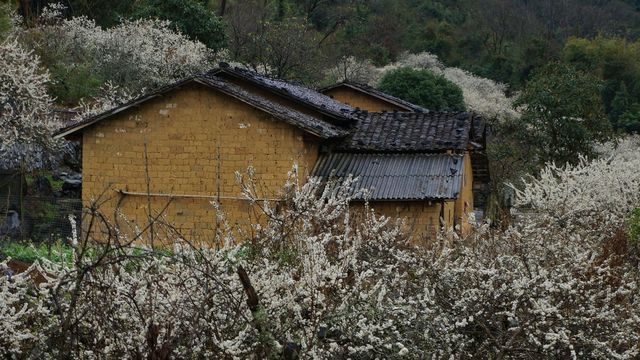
296	92
411	132
396	176
371	91
303	121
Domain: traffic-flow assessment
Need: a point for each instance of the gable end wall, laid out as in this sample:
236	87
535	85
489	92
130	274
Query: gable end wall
196	139
361	100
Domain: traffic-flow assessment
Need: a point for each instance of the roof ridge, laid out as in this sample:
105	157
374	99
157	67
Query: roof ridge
294	91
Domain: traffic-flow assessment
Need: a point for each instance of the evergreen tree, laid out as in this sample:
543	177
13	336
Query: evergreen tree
424	88
620	104
564	114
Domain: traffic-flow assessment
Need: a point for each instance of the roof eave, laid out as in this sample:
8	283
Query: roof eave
274	114
75	128
389	98
406	199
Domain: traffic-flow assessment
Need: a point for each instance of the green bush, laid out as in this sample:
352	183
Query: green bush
424	88
563	110
5	18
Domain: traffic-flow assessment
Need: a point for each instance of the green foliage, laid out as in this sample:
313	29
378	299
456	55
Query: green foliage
629	121
5	17
634	226
616	61
74	82
56	185
72	69
106	13
30	252
423	88
564	113
190	17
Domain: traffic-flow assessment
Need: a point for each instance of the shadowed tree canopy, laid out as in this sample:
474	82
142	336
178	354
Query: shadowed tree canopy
424	88
192	18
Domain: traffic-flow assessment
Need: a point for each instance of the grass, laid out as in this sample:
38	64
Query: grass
58	252
30	252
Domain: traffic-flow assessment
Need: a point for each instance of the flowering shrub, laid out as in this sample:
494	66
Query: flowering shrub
318	280
138	54
603	190
25	120
319	293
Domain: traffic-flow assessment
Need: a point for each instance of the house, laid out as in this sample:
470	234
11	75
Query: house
170	153
365	97
415	165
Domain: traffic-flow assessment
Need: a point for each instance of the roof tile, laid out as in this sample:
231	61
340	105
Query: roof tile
405	131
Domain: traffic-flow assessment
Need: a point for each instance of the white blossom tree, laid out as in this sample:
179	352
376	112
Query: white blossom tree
318	280
26	120
481	95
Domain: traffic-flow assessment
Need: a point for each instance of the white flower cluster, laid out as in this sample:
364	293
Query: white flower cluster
607	188
137	54
319	280
26	123
561	281
133	55
324	288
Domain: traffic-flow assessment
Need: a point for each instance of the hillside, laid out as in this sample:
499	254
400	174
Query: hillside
501	40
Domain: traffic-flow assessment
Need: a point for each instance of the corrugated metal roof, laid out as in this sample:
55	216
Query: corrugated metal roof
396	176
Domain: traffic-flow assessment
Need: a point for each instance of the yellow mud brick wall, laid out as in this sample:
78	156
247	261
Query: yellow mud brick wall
356	98
196	139
464	202
421	218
